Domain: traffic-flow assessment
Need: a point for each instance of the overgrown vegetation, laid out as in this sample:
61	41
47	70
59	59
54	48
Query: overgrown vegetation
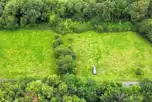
72	89
65	57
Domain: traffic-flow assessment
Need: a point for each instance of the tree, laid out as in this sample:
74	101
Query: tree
62	89
150	9
62	51
67	99
10	22
138	10
71	81
37	88
145	28
66	64
52	80
33	10
121	9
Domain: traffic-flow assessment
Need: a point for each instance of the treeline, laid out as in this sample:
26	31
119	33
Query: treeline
24	12
67	16
72	89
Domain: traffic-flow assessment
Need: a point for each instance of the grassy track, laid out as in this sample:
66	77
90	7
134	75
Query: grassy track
116	55
26	53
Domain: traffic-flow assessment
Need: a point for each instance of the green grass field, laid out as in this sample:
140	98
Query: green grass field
26	53
116	55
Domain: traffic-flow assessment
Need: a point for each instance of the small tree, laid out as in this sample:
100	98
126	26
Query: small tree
66	65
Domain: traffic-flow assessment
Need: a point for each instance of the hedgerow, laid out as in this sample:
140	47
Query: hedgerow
65	57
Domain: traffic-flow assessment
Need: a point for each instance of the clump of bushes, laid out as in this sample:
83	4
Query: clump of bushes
65	26
57	42
65	57
79	27
114	27
145	28
139	71
17	13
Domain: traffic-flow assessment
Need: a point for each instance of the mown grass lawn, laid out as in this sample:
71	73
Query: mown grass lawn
26	53
116	55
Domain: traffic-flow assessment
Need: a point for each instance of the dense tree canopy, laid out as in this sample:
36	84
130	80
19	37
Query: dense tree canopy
23	12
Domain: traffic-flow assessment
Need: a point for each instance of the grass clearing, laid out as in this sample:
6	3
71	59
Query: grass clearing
116	55
26	53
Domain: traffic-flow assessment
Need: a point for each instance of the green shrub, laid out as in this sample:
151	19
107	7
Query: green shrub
145	28
54	19
66	64
146	90
139	71
99	28
114	27
80	27
57	42
62	51
64	26
24	12
10	22
149	35
69	26
40	89
53	80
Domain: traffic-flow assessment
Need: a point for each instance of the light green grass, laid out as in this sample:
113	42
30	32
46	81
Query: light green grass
116	55
26	53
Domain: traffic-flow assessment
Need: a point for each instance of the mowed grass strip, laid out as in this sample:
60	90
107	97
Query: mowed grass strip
116	55
26	53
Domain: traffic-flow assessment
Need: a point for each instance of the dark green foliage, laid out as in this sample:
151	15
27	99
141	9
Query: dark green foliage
65	57
32	11
2	6
80	27
150	9
62	14
75	15
64	26
62	51
81	87
57	42
139	71
72	9
9	22
22	12
146	89
99	28
138	10
65	60
145	28
114	27
52	80
73	89
66	64
54	19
